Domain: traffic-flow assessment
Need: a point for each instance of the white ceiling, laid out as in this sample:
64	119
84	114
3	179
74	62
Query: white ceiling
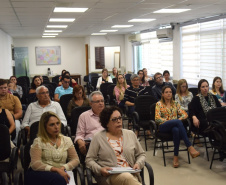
28	18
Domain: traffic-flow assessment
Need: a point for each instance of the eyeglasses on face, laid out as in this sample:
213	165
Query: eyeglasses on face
116	119
42	93
67	82
159	77
98	101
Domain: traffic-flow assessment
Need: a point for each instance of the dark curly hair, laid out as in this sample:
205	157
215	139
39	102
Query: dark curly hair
106	114
33	86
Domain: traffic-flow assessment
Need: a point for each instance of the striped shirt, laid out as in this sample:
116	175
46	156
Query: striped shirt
131	93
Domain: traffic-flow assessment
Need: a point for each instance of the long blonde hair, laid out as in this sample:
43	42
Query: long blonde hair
42	133
180	82
118	85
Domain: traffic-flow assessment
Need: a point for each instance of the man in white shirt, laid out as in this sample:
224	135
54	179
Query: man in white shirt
44	104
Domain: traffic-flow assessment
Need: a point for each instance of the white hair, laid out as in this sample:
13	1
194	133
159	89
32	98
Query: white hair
93	93
39	88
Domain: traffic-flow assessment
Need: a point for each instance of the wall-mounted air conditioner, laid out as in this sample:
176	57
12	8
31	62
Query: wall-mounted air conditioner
165	33
134	38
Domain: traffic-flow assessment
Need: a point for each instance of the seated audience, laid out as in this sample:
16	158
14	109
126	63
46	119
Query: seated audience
6	119
183	96
12	103
218	90
63	89
146	77
166	77
200	105
51	154
104	78
143	82
41	78
119	90
36	109
79	99
88	123
62	74
36	82
114	73
72	81
115	147
11	88
15	87
168	115
159	84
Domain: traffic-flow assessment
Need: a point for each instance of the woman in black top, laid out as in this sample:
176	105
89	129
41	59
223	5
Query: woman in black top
200	105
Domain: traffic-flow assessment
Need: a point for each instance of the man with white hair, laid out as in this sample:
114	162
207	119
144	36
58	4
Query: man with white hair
44	104
88	123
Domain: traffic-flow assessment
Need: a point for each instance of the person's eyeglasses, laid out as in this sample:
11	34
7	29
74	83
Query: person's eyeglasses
136	79
159	77
67	82
116	119
184	86
98	101
42	93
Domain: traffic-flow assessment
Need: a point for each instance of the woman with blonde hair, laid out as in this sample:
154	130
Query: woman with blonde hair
51	154
183	96
104	78
119	90
114	73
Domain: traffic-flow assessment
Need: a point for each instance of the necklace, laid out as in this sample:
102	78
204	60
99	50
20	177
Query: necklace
54	143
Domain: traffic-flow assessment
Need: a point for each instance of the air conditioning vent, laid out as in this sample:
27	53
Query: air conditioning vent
165	34
134	38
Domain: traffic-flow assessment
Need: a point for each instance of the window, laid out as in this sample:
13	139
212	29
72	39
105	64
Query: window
203	48
153	55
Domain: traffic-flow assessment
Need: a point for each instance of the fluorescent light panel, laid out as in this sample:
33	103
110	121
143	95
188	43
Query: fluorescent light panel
141	20
108	30
49	31
65	9
61	19
48	36
56	26
122	26
98	33
171	10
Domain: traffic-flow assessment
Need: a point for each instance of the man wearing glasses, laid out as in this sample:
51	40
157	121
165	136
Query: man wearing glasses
63	89
88	123
159	84
36	109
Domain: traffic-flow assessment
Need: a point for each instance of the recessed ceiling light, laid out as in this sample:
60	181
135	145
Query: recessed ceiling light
171	10
48	36
49	31
65	9
61	19
141	20
122	26
56	26
98	33
108	30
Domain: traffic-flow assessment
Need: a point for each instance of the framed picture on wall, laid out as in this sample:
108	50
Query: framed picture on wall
48	55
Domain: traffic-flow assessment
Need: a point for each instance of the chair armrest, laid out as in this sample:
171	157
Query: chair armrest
68	129
153	128
79	171
4	178
14	158
18	139
18	178
189	123
89	176
150	173
22	155
135	118
24	136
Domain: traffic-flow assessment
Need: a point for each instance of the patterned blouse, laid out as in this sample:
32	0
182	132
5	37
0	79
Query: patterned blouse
163	114
185	100
219	96
118	148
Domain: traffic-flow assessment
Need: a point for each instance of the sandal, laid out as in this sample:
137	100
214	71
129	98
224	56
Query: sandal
193	154
175	162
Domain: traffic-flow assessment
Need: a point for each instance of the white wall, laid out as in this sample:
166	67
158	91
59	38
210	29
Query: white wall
72	54
5	55
128	55
107	40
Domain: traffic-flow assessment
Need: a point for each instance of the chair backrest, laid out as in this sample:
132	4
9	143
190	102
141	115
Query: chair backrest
23	80
218	114
34	130
64	101
56	79
103	89
75	113
193	90
142	106
128	82
127	76
45	79
151	82
114	80
91	75
5	147
86	78
17	95
94	82
31	98
110	90
149	90
25	156
152	111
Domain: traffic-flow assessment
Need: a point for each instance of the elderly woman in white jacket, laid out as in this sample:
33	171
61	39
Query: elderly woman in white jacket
104	78
115	147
